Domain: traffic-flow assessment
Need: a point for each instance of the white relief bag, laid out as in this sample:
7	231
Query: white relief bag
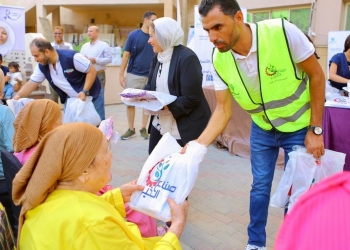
302	172
77	110
167	173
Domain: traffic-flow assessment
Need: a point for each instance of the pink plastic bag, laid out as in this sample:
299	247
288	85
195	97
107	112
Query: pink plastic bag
146	224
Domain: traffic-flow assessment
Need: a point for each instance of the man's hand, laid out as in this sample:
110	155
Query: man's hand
82	96
17	87
92	60
122	80
7	78
314	144
128	189
16	97
183	150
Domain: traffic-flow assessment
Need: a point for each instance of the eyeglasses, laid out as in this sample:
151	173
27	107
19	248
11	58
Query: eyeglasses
57	33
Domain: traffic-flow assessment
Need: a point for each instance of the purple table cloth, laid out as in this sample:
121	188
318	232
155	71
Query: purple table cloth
336	132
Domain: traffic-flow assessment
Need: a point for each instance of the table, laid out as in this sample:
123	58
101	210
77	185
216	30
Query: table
336	131
236	135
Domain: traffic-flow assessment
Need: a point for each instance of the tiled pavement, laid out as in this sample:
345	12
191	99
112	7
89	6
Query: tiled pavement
219	202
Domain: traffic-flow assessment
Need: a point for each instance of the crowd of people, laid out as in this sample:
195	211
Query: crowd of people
65	166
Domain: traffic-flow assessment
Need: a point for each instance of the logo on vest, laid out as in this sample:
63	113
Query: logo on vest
273	72
234	94
68	71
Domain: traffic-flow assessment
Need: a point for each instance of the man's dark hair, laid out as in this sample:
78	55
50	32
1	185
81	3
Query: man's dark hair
347	44
228	7
0	57
42	44
148	15
14	65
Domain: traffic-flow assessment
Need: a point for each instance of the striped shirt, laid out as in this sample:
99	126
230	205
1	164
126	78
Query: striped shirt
100	51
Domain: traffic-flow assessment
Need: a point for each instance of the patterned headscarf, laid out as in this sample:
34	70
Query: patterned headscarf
62	155
33	122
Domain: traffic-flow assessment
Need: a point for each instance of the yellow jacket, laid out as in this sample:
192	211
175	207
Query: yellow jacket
80	220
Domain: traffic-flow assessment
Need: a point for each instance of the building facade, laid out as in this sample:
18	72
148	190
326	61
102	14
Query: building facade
314	17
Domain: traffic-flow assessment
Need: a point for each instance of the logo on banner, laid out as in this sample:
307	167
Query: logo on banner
332	40
11	15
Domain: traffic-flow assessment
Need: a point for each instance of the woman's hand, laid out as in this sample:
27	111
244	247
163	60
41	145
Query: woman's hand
128	188
178	217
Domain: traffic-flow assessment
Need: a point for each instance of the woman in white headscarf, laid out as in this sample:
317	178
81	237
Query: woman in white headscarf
176	70
6	38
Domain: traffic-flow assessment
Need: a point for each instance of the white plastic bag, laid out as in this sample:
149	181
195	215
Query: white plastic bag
167	173
17	105
332	162
305	167
81	111
280	197
303	171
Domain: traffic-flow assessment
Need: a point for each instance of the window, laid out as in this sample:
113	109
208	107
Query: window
259	16
280	13
300	17
249	17
347	18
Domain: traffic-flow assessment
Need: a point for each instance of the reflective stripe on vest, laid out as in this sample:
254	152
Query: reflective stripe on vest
284	99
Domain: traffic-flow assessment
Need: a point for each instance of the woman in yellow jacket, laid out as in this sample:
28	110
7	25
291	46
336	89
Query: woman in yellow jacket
60	210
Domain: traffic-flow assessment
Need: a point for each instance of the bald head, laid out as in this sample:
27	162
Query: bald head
93	33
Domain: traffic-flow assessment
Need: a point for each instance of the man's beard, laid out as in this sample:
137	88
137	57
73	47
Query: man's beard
46	60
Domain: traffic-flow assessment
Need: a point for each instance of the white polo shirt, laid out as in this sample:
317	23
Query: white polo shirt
81	64
300	49
64	44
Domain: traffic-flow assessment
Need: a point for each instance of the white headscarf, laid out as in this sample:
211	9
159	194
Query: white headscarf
168	34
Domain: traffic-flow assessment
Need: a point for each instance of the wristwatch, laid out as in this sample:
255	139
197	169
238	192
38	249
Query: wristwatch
316	129
85	92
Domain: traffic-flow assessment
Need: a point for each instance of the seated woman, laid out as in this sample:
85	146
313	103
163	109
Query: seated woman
339	67
60	209
176	70
32	123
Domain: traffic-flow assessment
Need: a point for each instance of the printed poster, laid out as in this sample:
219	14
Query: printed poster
203	48
336	41
12	33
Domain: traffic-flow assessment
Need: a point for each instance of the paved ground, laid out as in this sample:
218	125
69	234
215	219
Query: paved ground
218	214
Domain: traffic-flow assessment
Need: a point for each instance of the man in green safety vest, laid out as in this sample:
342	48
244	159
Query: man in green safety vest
271	71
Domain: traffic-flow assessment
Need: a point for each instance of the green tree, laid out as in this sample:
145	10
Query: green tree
77	48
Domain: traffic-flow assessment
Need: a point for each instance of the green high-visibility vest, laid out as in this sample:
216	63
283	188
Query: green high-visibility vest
284	99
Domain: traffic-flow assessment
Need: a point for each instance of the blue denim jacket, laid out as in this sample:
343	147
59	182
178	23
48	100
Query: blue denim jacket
6	132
